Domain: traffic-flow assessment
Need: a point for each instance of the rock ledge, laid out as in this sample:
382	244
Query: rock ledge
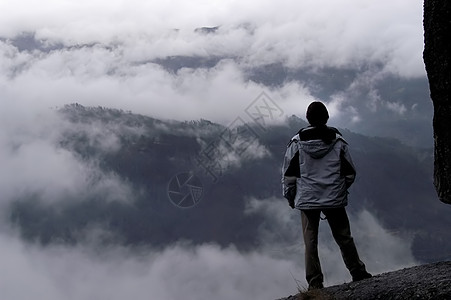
431	281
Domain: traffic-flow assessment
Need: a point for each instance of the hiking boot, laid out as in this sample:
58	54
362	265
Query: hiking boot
361	275
315	286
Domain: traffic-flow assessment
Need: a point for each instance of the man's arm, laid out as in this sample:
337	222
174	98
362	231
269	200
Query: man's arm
290	171
347	166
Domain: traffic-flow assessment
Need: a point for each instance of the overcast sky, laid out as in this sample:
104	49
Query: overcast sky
116	70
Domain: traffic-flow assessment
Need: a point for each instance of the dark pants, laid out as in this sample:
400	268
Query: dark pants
339	225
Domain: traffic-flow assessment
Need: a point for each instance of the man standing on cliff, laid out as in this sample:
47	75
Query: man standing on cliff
317	172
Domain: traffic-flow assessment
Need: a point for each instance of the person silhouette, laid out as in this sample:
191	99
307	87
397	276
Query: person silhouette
316	174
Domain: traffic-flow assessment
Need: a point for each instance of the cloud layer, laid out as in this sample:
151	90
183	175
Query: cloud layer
296	32
91	271
104	51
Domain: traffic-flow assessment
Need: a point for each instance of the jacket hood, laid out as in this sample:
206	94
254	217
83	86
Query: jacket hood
317	148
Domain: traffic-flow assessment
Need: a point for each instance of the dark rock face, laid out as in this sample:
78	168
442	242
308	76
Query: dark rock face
437	58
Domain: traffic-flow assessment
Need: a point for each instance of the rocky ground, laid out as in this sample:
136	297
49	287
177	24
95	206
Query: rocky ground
431	281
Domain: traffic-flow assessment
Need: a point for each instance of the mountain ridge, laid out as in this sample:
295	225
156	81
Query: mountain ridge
144	154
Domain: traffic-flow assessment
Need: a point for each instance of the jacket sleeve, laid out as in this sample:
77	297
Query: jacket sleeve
347	166
290	171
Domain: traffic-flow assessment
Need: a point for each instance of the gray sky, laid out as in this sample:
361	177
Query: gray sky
115	71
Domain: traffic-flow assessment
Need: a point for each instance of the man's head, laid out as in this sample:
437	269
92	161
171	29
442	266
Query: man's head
317	114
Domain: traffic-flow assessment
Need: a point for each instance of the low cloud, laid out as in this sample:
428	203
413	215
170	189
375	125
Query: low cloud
201	272
92	271
39	166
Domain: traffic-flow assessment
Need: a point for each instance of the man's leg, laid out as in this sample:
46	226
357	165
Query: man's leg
339	224
310	224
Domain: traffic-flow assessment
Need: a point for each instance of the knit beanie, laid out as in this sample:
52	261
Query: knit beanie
317	114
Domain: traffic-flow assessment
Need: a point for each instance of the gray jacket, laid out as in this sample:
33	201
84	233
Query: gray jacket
317	169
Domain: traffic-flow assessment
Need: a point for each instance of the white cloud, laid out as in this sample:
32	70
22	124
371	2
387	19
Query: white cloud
83	272
396	107
97	77
117	71
377	242
35	164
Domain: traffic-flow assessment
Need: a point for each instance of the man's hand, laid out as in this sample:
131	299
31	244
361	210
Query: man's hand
290	194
